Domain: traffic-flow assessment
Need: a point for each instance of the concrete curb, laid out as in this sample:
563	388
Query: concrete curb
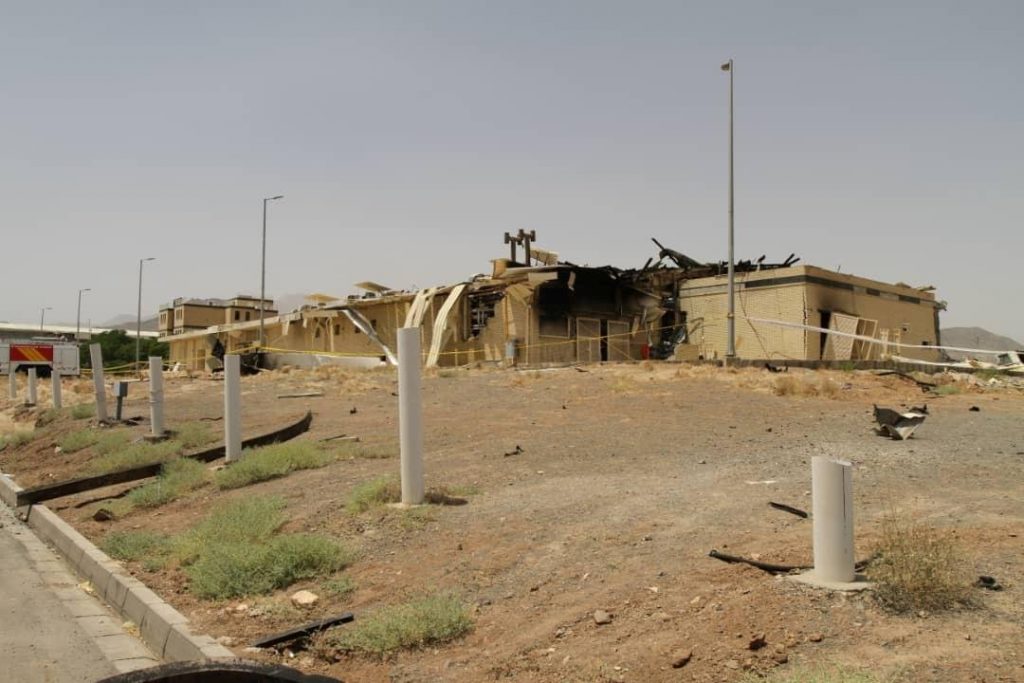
164	629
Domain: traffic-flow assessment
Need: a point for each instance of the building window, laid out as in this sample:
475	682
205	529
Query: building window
337	329
316	333
248	315
237	315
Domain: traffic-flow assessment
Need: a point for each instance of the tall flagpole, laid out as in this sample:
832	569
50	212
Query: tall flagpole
730	347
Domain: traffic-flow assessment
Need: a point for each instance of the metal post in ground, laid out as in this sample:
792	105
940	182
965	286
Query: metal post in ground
96	358
410	415
12	382
156	396
832	492
232	407
55	388
30	399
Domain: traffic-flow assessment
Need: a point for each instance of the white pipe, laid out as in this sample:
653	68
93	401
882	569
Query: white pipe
410	428
832	492
55	388
12	382
96	358
31	399
232	407
156	396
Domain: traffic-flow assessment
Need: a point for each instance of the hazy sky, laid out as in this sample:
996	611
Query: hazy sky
408	136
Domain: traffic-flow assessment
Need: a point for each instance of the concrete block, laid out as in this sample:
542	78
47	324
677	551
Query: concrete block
137	602
121	646
124	666
8	490
97	627
179	646
116	591
96	567
85	606
216	651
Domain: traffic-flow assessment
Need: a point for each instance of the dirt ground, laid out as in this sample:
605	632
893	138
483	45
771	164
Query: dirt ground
626	476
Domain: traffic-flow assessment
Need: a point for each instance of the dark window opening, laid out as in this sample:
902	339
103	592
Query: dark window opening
553	302
826	322
481	310
337	329
316	333
248	315
238	315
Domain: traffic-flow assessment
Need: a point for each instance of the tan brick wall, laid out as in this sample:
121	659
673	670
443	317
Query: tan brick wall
705	302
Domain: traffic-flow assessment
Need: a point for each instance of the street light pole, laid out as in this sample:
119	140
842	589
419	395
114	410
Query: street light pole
138	316
78	316
263	265
730	348
42	316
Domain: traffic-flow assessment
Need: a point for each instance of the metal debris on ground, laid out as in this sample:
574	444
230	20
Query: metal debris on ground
302	394
340	437
304	630
899	425
516	451
787	508
988	583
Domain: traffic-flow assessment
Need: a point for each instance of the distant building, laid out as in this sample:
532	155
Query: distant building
550	312
183	315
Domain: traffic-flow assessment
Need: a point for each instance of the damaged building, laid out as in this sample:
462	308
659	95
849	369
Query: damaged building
538	310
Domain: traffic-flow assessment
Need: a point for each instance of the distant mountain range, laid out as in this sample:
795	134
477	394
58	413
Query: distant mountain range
976	338
126	321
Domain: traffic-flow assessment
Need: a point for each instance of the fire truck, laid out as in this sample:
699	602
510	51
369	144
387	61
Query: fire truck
44	354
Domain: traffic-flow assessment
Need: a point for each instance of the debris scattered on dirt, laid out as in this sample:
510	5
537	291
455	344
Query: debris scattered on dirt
681	658
103	515
791	510
341	437
353	410
816	637
304	598
515	451
601	617
757	642
988	583
899	426
300	632
302	394
974	409
764	566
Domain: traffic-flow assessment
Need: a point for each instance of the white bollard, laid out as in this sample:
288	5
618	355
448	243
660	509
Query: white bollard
55	388
96	358
156	396
31	398
832	492
410	428
232	407
12	382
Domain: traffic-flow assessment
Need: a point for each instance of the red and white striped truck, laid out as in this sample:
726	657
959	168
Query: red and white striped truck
58	356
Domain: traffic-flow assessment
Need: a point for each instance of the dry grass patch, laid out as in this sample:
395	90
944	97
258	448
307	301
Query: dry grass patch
15	439
819	674
195	434
147	547
794	385
271	462
374	493
235	551
176	478
83	411
134	455
919	568
77	440
422	622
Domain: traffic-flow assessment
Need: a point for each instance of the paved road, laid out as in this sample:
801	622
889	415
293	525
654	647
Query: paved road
51	630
